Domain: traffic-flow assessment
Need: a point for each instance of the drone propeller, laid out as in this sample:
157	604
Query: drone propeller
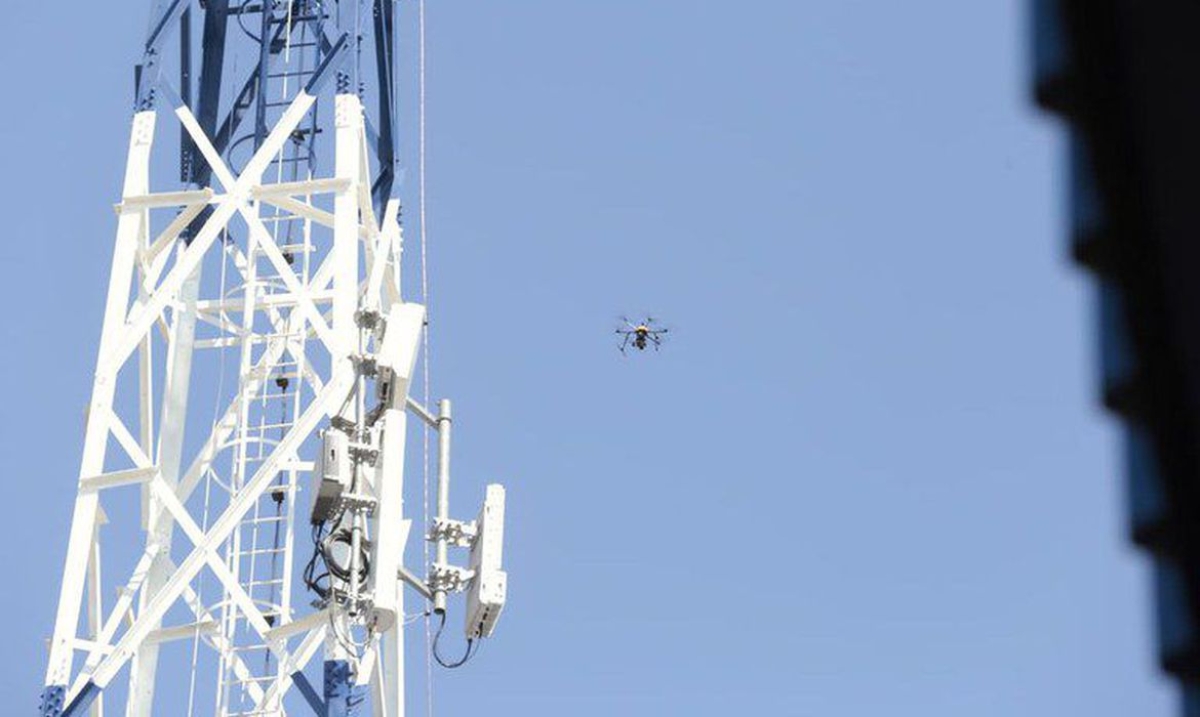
627	322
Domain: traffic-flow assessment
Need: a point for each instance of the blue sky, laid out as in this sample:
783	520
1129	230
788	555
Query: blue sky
866	472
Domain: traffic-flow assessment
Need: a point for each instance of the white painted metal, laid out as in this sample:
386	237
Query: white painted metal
445	422
83	524
322	341
488	589
281	322
402	334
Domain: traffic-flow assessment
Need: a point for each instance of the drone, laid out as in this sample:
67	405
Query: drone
641	334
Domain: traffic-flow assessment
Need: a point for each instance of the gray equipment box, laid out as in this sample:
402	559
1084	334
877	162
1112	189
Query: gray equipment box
332	474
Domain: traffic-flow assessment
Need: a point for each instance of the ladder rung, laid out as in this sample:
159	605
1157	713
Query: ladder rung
249	648
245	648
262	551
275	396
267	436
256	583
248	680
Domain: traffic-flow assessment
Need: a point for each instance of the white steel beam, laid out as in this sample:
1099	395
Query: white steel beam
336	392
293	663
141	319
95	610
132	476
129	227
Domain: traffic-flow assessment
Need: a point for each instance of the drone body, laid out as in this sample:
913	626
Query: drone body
640	335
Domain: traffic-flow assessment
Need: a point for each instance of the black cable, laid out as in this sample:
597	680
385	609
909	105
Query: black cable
257	40
311	580
339	571
466	655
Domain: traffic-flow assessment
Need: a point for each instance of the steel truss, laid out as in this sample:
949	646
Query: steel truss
309	302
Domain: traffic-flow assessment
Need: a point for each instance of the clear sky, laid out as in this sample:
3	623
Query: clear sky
866	474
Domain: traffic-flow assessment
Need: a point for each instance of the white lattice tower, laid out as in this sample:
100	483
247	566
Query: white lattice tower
251	393
300	325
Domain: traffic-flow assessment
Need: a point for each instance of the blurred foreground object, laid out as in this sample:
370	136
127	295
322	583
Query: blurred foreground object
1123	75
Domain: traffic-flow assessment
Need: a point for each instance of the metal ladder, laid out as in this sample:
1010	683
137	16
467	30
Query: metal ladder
260	551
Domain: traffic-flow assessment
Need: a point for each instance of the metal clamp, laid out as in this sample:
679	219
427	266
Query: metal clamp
449	578
455	532
356	502
366	365
366	453
369	320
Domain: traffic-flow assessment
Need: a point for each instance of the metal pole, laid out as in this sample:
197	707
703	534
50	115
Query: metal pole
443	494
355	563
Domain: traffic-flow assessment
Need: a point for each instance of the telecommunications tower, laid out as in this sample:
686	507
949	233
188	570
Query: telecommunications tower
242	477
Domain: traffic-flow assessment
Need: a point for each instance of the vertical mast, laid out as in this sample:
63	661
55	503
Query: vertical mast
250	467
